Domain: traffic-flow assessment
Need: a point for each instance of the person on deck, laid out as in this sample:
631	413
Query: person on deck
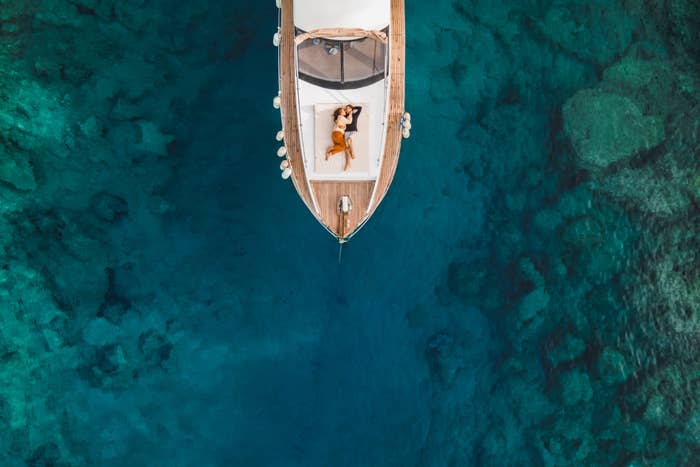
351	129
342	119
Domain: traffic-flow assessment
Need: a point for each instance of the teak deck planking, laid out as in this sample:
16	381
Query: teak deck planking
288	94
397	92
327	194
365	195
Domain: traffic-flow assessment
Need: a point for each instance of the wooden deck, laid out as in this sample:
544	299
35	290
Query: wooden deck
365	195
397	93
328	194
288	93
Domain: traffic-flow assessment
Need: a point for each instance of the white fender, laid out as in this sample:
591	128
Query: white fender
284	164
276	39
282	151
407	124
277	102
280	135
406	133
407	116
286	173
278	3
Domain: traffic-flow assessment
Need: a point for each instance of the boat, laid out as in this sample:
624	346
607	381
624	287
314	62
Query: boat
332	54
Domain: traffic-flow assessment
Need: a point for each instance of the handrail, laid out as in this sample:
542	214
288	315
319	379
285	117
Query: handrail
339	32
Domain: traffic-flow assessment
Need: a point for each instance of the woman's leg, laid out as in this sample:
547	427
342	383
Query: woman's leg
338	144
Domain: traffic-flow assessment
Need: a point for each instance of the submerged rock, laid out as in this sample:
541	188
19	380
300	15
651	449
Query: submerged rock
16	171
685	23
643	189
154	347
528	318
532	304
109	207
638	74
100	332
568	349
566	443
692	427
596	31
109	359
575	387
657	411
675	299
47	455
443	355
547	221
153	140
657	84
612	367
606	128
575	203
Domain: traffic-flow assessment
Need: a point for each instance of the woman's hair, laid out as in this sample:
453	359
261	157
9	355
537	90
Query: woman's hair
337	112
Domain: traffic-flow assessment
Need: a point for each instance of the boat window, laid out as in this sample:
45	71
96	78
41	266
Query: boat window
342	64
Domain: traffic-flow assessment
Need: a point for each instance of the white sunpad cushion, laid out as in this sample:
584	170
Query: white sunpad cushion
323	123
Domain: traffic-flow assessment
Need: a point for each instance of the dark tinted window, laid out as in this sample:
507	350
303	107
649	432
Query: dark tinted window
342	64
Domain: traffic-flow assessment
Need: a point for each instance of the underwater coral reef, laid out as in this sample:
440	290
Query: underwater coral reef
591	270
528	293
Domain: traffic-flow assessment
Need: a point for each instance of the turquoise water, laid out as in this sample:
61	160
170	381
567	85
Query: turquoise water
527	294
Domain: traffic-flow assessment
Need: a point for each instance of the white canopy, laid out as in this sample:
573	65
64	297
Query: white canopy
321	14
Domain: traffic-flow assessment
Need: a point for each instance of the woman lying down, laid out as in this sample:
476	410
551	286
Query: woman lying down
345	119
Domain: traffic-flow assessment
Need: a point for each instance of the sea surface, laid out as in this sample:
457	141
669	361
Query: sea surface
527	294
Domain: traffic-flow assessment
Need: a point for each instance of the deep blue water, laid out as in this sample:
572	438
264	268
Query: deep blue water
321	367
526	294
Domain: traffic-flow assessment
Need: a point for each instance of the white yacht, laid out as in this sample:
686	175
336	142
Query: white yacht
334	54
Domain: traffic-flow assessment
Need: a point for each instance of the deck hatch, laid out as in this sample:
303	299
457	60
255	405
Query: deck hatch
342	64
